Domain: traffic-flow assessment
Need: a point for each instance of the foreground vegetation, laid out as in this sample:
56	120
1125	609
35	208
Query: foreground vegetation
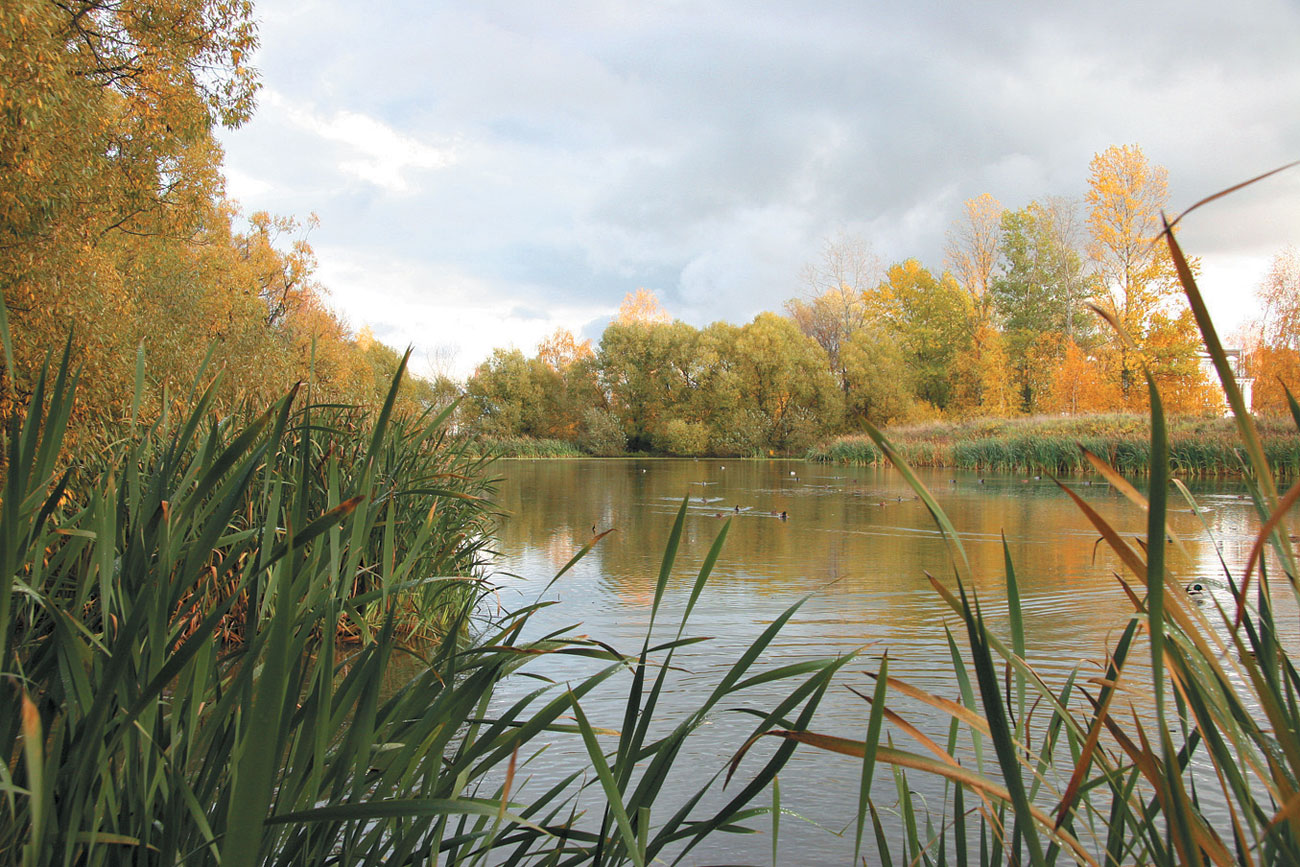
1052	445
196	626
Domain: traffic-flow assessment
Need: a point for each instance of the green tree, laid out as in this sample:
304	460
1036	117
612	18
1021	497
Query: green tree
650	374
505	396
881	388
931	319
787	377
1038	289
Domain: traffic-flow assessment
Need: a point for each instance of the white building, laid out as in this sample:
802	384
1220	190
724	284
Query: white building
1237	361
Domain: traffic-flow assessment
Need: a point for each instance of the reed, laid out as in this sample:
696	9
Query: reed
529	447
195	627
1197	448
1092	781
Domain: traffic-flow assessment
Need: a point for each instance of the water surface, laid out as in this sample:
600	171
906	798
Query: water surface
856	547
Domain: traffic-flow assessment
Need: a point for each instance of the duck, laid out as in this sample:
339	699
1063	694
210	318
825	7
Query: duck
1196	588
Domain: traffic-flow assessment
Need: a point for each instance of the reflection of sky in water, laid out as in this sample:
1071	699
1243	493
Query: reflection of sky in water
856	549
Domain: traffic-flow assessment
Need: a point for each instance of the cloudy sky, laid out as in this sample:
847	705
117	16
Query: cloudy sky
486	172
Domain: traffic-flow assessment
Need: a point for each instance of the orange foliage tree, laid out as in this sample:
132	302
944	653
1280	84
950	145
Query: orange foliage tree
1081	384
1275	369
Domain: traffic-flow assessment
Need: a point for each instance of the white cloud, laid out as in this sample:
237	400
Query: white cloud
372	151
442	312
242	186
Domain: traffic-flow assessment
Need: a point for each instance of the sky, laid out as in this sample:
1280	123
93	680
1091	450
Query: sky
484	173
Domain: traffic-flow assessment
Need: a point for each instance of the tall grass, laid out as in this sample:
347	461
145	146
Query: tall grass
1076	774
1197	448
529	447
195	627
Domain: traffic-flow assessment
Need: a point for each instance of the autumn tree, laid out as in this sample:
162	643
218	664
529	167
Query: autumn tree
972	252
980	376
643	307
1275	361
1081	384
1276	370
571	387
561	350
1125	197
108	116
1279	296
835	304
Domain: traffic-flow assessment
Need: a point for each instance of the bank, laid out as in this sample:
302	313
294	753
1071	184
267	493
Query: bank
1043	445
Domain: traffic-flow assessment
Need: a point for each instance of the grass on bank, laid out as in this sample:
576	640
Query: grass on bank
1071	772
195	627
528	447
1050	445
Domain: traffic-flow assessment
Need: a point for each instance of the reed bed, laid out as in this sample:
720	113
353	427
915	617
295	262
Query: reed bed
1038	774
195	627
1200	449
529	447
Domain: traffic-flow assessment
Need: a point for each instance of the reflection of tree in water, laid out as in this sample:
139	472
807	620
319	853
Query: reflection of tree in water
856	539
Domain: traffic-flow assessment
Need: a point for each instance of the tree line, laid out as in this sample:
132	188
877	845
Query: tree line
1009	327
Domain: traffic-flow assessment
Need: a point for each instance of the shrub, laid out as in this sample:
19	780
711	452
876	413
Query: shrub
682	438
602	434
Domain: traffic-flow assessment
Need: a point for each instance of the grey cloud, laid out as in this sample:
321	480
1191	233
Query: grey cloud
705	150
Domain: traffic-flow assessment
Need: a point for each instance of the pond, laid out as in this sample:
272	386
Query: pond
856	545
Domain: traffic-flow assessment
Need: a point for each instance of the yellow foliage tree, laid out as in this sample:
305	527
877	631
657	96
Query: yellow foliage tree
1279	295
642	307
1125	196
114	226
562	350
973	252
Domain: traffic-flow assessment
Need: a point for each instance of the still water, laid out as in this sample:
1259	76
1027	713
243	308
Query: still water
856	547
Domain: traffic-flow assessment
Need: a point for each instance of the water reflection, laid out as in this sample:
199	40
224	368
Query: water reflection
857	546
